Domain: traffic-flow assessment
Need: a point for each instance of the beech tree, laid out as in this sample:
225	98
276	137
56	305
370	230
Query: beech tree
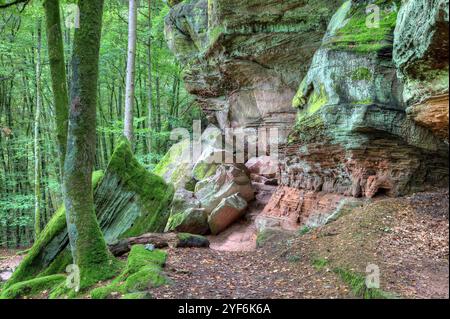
89	250
131	61
37	151
58	75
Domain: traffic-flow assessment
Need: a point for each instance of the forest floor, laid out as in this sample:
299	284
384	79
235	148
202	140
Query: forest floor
406	238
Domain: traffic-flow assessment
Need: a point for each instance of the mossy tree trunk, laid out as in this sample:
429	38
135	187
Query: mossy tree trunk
89	250
58	74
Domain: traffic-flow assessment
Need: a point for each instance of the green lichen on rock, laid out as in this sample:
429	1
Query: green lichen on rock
203	170
143	271
33	287
175	167
151	195
362	74
361	33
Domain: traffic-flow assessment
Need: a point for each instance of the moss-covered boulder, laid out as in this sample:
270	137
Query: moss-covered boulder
186	240
176	166
129	201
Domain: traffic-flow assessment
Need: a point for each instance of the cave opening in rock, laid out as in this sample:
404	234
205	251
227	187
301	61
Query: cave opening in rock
382	192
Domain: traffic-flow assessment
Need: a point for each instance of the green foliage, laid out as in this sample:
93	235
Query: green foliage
32	264
320	263
304	230
357	284
172	106
32	287
143	271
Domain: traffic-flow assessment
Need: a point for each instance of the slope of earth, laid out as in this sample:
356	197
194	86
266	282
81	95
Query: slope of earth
407	238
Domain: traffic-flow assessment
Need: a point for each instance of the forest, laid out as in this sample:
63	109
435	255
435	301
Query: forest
224	149
28	110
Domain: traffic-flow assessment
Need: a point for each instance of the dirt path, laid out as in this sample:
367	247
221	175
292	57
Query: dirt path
9	260
206	273
407	237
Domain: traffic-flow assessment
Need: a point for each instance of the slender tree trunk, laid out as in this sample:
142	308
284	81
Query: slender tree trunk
37	151
89	250
150	77
131	61
58	74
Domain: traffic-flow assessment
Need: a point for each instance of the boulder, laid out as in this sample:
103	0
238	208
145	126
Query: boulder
186	215
129	201
227	212
265	166
228	180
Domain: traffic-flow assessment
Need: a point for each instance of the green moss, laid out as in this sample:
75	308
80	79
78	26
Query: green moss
304	230
171	157
190	240
33	287
153	194
143	271
204	170
357	284
140	257
137	295
147	277
362	74
356	36
320	263
59	264
32	265
363	102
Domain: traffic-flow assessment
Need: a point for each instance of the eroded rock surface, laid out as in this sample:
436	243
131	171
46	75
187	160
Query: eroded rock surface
361	103
421	55
352	135
244	59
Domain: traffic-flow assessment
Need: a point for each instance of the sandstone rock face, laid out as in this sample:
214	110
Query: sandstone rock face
362	110
290	207
352	135
244	59
228	211
421	55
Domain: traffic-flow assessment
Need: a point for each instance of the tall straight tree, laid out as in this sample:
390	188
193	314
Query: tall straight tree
37	151
89	250
58	74
128	130
150	77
